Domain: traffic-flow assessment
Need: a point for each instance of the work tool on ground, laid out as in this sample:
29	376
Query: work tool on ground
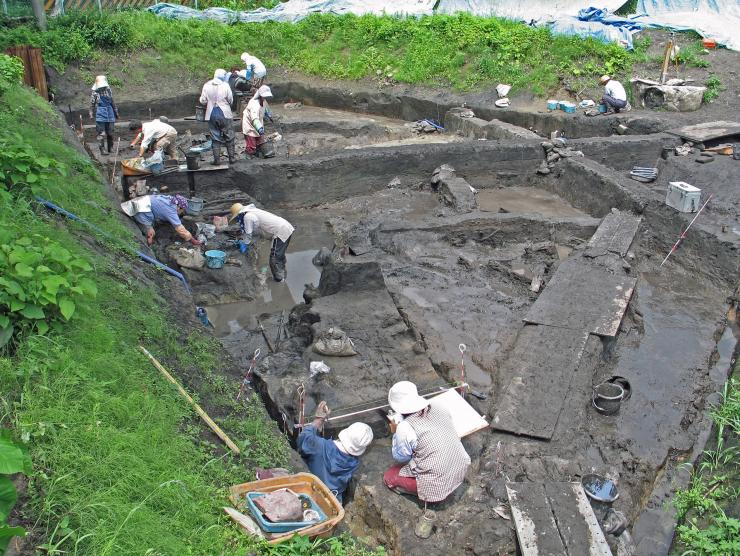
247	379
199	410
463	348
683	234
280	329
666	59
301	405
264	335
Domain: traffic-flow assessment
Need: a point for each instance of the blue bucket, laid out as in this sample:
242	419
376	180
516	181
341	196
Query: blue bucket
552	104
215	258
602	108
568	107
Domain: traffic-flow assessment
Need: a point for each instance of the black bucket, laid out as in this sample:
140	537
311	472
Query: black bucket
192	160
607	398
200	113
266	150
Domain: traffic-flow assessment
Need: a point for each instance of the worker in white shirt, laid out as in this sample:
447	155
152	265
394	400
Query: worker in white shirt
217	97
255	71
254	221
615	97
253	120
154	135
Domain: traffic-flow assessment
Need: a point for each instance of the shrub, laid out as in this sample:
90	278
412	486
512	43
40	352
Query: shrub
40	282
11	71
98	30
22	167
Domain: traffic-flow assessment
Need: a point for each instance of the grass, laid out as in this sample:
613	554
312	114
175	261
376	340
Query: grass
119	461
704	527
462	51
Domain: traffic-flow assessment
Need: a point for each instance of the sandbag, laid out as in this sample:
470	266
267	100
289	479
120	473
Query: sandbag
280	506
187	258
334	342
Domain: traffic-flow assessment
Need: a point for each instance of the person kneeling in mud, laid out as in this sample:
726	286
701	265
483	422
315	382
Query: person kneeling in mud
333	461
431	460
150	209
253	221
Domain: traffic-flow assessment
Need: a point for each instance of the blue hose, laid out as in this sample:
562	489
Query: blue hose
143	256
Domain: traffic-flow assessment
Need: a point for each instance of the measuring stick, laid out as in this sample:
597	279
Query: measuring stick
199	410
441	391
683	234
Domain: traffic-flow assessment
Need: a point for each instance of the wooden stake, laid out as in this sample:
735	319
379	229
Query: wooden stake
115	161
666	59
199	410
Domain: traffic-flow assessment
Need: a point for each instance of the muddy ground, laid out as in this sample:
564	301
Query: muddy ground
417	265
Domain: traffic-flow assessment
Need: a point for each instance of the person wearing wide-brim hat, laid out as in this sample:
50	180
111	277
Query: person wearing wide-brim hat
431	460
333	461
105	112
615	97
253	221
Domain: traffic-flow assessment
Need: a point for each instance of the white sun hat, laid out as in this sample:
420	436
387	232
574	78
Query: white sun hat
246	56
404	398
264	92
355	439
604	79
100	81
219	74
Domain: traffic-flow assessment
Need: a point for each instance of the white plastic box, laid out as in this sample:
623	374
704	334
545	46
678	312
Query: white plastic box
683	197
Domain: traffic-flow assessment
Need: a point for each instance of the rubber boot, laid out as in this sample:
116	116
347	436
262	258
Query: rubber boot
101	144
216	148
110	144
278	272
231	151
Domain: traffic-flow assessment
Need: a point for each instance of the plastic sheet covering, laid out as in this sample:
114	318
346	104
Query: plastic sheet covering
527	10
716	19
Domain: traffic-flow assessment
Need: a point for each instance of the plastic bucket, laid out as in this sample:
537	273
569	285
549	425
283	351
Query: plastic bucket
195	205
215	258
552	104
607	397
602	108
192	160
568	107
200	113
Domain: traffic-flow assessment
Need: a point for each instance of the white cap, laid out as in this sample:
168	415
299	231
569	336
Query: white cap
264	92
405	399
355	439
100	81
219	74
245	56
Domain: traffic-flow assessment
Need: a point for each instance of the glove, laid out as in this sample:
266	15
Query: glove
194	241
322	411
243	247
261	131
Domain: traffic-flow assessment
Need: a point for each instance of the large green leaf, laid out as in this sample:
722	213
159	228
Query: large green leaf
6	333
8	496
7	532
11	455
33	312
67	307
89	287
22	269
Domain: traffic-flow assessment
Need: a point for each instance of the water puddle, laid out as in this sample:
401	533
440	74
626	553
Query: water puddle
525	200
311	234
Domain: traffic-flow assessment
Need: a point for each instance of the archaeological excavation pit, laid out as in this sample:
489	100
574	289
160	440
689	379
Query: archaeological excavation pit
549	274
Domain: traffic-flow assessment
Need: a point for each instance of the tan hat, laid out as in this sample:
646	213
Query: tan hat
355	439
604	79
404	398
100	81
235	209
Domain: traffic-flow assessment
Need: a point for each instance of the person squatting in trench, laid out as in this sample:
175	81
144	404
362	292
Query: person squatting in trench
253	221
151	209
253	120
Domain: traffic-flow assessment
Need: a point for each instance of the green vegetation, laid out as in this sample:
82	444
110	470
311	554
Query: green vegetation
11	71
461	51
13	459
704	528
121	464
714	88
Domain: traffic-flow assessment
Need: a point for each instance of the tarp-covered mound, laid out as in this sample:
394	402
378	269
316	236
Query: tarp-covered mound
710	18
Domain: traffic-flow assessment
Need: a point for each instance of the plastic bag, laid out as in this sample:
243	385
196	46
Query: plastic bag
334	342
318	367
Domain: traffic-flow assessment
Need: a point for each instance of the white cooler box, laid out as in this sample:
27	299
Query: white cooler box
683	197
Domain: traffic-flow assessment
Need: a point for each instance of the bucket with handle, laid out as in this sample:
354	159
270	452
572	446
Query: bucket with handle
192	159
200	113
215	258
607	398
195	205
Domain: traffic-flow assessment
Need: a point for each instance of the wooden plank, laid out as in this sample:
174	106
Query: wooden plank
575	519
583	297
614	234
466	419
707	131
533	517
544	360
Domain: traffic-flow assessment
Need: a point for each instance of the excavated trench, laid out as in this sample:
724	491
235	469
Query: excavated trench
418	262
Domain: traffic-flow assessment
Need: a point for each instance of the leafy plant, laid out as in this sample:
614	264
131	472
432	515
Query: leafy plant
714	88
722	536
13	459
11	71
40	284
21	166
98	30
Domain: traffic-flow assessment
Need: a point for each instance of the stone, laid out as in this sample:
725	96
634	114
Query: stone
543	169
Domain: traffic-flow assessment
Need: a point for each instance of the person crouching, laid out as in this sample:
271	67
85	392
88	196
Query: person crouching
253	120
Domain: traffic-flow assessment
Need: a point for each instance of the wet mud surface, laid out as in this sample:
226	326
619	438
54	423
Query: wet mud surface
415	266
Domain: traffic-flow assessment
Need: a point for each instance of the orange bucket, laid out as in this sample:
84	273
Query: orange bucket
709	43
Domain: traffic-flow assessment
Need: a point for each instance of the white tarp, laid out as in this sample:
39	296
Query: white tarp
528	10
714	19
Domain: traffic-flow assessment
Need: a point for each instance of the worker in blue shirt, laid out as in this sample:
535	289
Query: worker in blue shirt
333	461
